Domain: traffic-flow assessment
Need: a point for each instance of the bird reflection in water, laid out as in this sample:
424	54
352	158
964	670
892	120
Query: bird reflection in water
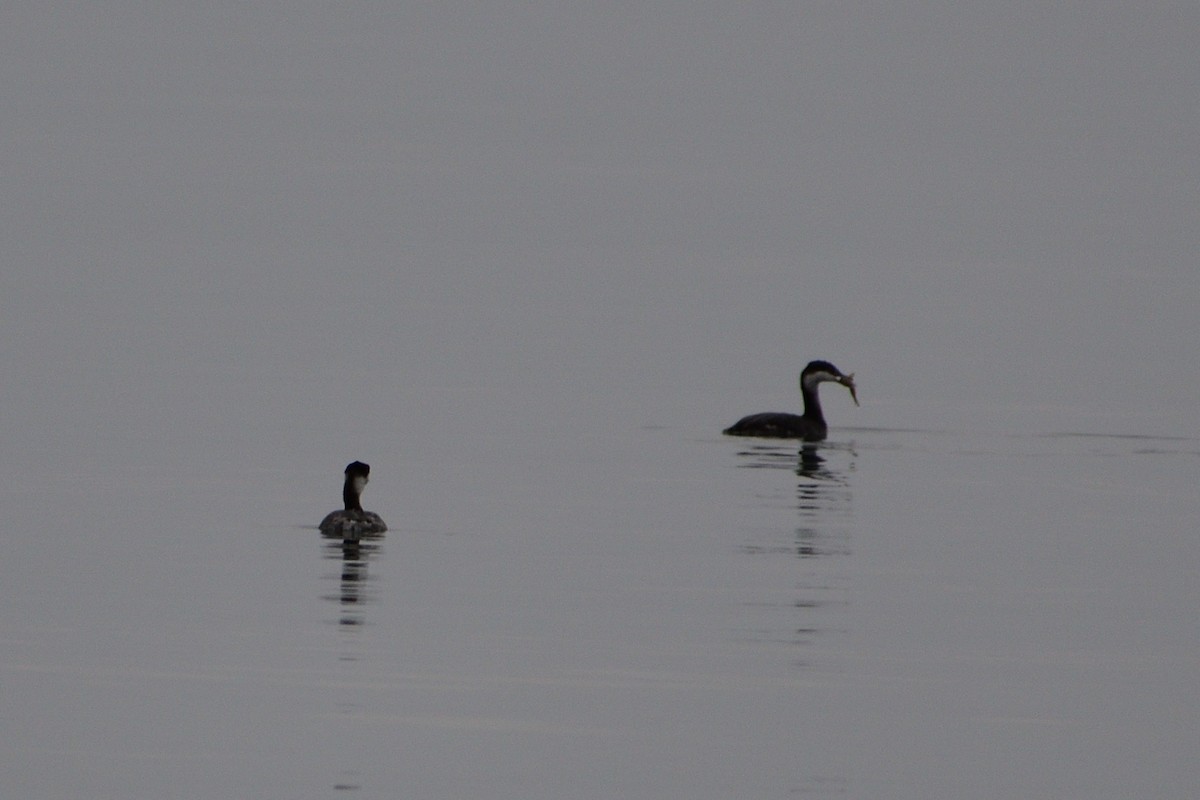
354	554
824	501
823	497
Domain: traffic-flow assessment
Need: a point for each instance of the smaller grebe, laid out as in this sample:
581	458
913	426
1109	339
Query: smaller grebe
809	426
353	521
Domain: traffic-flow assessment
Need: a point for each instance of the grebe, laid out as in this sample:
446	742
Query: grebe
809	426
353	521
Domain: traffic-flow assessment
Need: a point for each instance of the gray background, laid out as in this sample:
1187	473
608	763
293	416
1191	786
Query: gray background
528	259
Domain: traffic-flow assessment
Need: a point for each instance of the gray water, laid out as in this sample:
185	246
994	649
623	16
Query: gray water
527	261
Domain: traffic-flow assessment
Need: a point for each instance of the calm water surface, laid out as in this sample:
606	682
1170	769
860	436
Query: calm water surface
663	612
527	260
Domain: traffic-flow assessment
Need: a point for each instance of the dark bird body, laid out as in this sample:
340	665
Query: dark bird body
352	522
809	426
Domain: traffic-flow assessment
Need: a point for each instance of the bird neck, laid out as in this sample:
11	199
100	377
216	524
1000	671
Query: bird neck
350	496
812	403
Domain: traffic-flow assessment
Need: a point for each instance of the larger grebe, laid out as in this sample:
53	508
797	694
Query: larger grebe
353	521
809	426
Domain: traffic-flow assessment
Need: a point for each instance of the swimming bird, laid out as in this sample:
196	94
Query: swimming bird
353	521
809	426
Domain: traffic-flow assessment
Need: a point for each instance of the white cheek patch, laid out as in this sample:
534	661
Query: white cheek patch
814	378
360	481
